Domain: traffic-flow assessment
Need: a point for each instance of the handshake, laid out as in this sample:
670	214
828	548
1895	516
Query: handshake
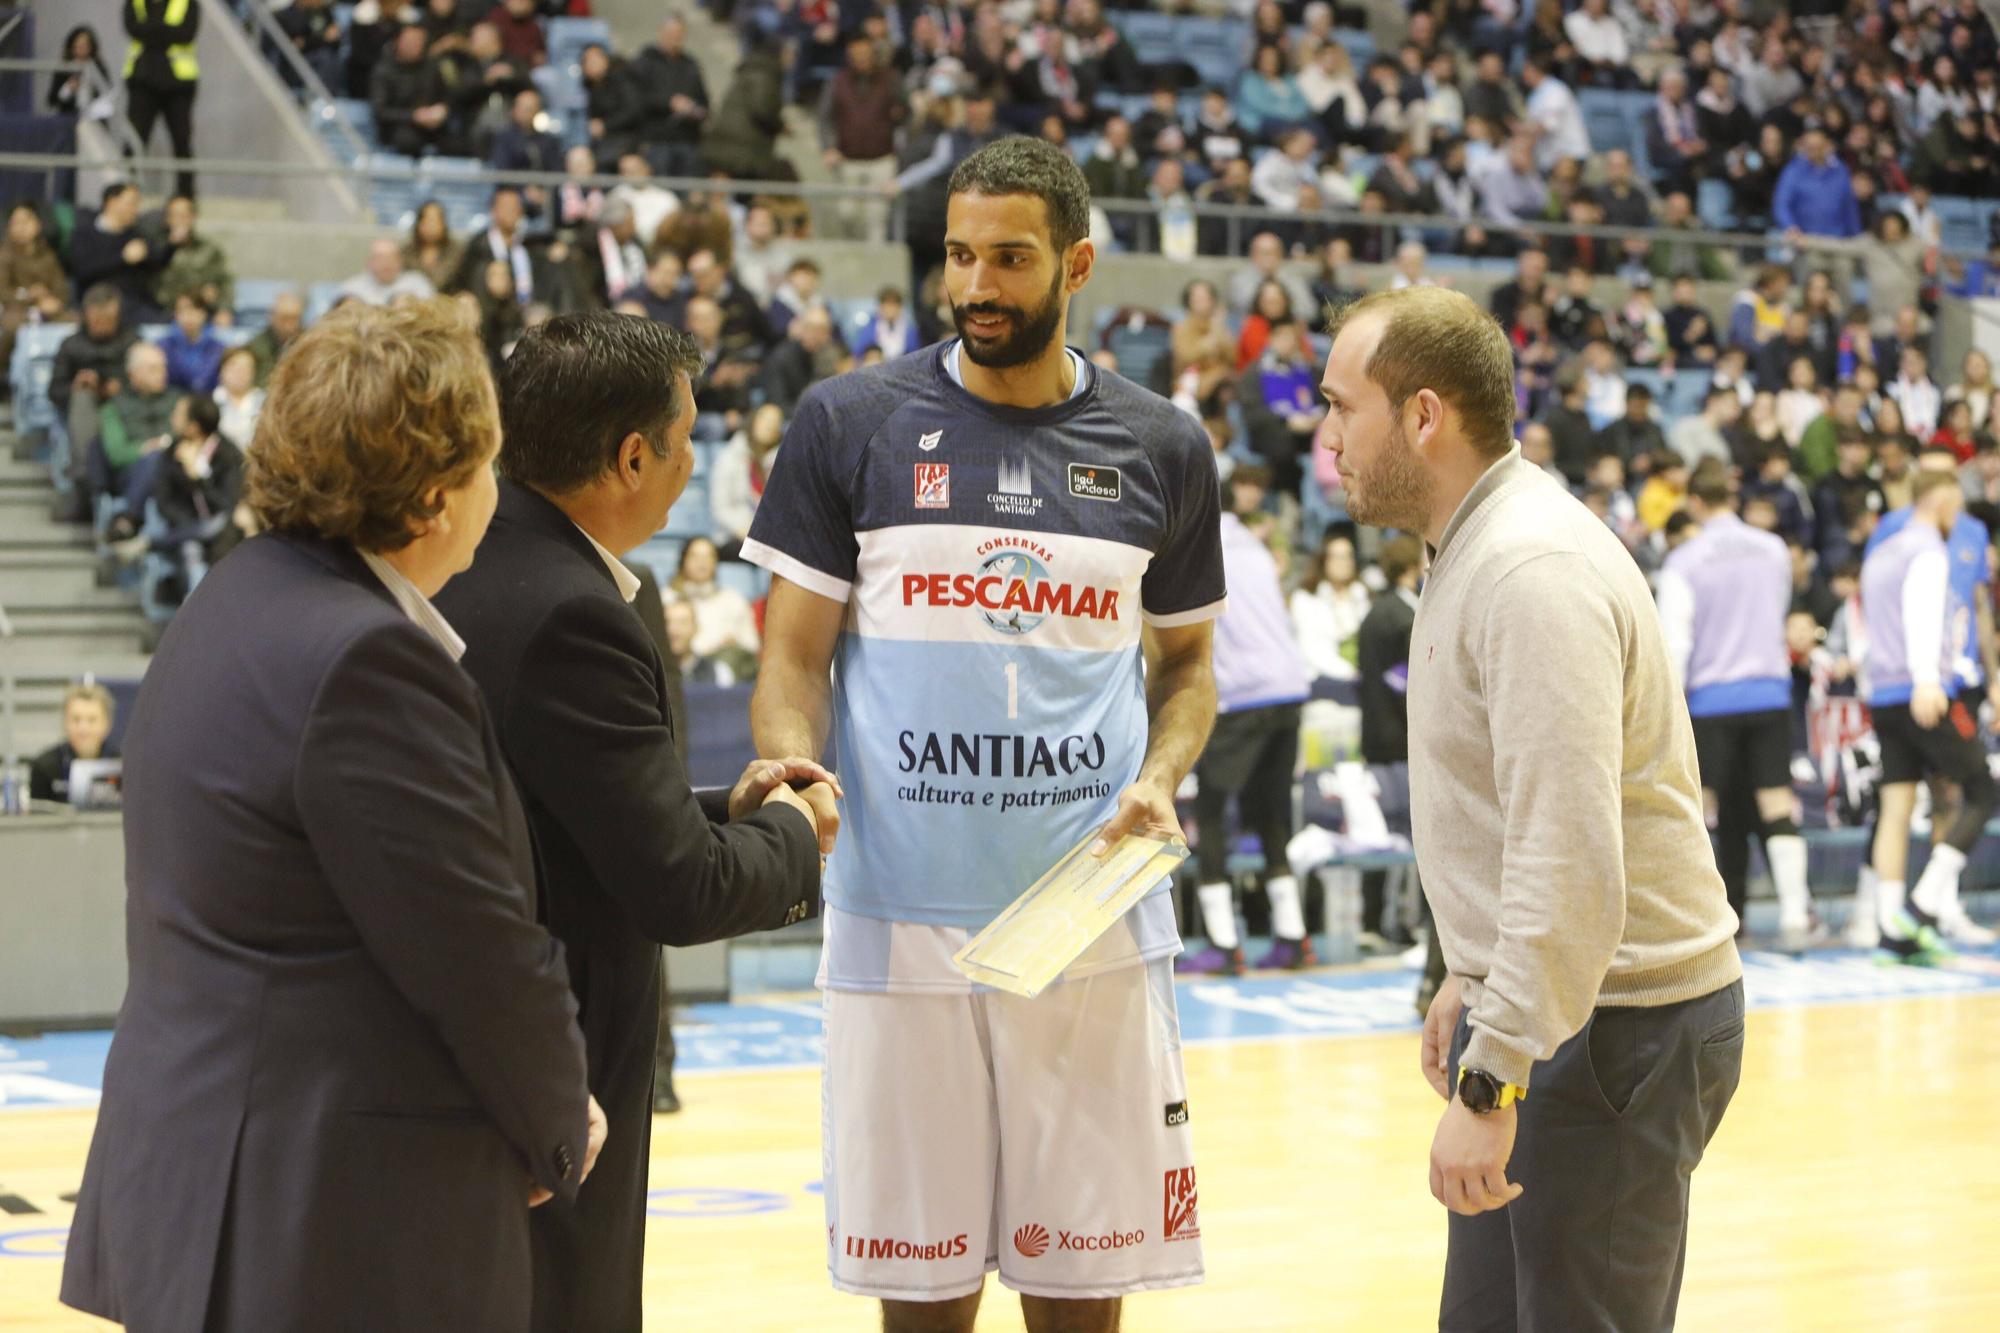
799	783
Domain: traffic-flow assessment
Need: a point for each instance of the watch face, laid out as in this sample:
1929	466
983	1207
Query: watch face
1479	1091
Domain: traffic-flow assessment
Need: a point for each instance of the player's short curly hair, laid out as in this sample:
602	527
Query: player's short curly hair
372	414
1020	165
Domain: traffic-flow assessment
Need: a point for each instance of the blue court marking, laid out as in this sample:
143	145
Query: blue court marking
66	1069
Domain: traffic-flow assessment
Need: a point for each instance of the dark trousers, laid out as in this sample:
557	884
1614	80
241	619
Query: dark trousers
663	1046
1614	1125
144	106
1250	755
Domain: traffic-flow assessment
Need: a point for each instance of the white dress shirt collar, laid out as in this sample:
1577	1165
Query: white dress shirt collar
415	605
627	581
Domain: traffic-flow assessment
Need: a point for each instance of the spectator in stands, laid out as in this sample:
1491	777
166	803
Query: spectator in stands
431	251
1267	101
1287	388
1411	256
1570	426
504	241
663	294
1330	288
1492	96
1634	436
1975	388
1229	189
33	283
1773	482
384	279
676	100
613	259
725	623
287	320
1759	312
478	84
1980	478
1905	330
1574	319
652	204
1915	394
864	107
192	262
496	304
411	115
315	34
108	248
1892	261
1511	190
1895	456
1396	180
1329	607
525	146
1538	449
1333	95
521	35
1201	336
1674	145
1640	329
1280	177
890	328
1665	491
1819	445
1177	235
727	371
1116	171
162	76
1704	435
446	23
1529	283
1752	170
1690	331
194	353
1772	82
1799	402
744	326
1774	358
89	370
736	479
66	90
88	712
237	398
1844	497
1603	55
791	368
1267	264
1603	383
1273	307
369	33
198	492
1815	194
614	104
1557	119
1954	432
1956	156
577	202
132	428
682	628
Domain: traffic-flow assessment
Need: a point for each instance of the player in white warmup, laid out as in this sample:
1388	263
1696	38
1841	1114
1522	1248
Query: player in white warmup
978	541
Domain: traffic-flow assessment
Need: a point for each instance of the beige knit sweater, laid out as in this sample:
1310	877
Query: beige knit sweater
1557	816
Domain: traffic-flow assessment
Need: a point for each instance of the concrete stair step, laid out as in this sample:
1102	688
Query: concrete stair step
35	667
56	595
21	471
22	536
80	649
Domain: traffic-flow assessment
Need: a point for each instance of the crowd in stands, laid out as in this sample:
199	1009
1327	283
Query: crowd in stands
1630	376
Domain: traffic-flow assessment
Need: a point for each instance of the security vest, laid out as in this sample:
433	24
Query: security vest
181	57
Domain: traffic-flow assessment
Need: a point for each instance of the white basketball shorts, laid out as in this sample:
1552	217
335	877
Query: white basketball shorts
1047	1138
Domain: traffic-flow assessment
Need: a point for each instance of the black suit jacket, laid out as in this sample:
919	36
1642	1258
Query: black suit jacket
1382	646
629	857
346	1046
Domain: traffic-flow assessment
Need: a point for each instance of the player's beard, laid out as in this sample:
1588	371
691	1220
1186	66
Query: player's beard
1029	337
1395	491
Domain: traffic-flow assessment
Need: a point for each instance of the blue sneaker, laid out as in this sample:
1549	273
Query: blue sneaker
1211	962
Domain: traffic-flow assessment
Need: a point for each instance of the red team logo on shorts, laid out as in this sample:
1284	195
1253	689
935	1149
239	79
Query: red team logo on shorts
1032	1240
933	485
1183	1222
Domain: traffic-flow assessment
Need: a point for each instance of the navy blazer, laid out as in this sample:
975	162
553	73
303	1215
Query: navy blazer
346	1045
630	858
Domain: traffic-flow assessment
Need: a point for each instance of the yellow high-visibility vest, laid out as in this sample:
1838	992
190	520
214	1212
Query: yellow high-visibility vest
180	57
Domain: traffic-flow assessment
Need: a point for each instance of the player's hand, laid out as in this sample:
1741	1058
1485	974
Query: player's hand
1439	1024
600	1129
1469	1160
764	775
1144	807
1928	705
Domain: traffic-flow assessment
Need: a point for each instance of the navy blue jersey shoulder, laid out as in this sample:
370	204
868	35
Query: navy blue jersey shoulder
903	444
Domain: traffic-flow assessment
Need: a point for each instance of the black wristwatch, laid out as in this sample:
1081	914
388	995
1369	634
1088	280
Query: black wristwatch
1484	1094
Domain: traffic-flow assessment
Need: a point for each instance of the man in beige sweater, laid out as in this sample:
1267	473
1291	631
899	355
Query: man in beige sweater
1590	1035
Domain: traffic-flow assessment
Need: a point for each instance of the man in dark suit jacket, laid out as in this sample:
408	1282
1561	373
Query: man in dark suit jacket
596	412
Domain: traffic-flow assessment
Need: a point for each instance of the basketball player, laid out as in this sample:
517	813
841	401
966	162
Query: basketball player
1975	677
1557	822
977	541
1913	617
1723	595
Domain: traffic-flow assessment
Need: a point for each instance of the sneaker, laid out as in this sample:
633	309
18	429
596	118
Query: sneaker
1796	939
1369	942
1417	955
1959	928
1861	932
665	1100
1211	962
1289	956
1912	943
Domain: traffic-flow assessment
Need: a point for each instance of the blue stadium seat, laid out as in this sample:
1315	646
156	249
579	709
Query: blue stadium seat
34	361
1360	44
1608	118
747	579
326	118
319	299
1964	222
568	36
453	182
1715	204
1153	36
391	196
1685	392
689	516
659	553
1217	48
255	297
1139	350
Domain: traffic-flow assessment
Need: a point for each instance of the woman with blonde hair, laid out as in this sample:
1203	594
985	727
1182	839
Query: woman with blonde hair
348	1061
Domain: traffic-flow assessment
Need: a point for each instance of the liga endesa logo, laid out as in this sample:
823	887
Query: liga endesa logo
1013	589
1033	1240
883	1247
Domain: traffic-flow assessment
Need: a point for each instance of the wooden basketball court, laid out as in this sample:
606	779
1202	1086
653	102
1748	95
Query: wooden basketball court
1852	1187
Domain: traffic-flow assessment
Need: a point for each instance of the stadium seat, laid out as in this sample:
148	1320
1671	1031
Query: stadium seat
1140	342
1216	48
392	186
34	361
319	299
256	296
689	516
746	579
454	182
1360	44
1154	38
1715	204
568	36
1964	222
